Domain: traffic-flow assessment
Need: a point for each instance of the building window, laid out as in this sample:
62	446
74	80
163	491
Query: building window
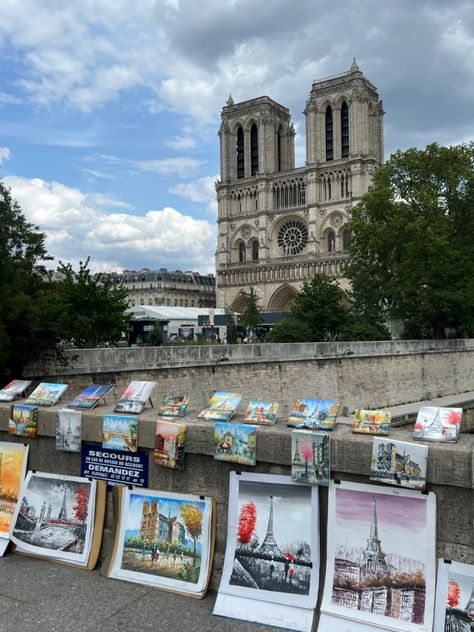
240	153
255	250
242	252
253	150
344	130
292	237
331	241
346	239
279	148
329	134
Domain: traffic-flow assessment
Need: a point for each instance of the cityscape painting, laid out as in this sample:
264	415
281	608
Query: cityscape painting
90	396
13	389
399	463
120	433
236	443
23	421
454	610
135	397
310	457
381	556
68	430
434	423
263	413
174	405
13	458
372	422
164	540
314	414
170	443
221	406
46	394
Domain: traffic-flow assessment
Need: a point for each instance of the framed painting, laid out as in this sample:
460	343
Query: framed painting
135	397
174	406
372	422
399	463
314	414
221	406
261	413
170	444
13	458
23	421
68	430
435	423
119	433
236	443
46	394
310	457
90	397
13	390
454	610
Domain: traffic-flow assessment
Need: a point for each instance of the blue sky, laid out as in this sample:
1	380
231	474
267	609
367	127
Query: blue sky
109	110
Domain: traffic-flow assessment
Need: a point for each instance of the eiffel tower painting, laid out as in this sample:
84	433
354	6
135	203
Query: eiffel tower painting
63	511
373	558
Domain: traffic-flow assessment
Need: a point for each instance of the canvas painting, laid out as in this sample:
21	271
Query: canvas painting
221	406
90	396
170	442
235	442
399	463
372	422
381	556
135	397
310	457
23	421
68	430
55	517
120	433
13	458
164	540
13	390
434	423
264	413
271	562
174	406
46	394
454	610
314	414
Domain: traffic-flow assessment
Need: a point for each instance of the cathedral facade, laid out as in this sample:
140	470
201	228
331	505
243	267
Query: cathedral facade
279	225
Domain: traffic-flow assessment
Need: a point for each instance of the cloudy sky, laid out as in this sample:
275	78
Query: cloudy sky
109	109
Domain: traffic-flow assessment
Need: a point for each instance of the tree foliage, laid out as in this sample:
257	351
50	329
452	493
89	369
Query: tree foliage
192	517
231	326
251	318
412	255
247	522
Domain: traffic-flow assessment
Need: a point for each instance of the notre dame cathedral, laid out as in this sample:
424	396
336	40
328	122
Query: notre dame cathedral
279	225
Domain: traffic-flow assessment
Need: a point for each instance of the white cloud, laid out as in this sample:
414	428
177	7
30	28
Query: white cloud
201	190
167	166
5	154
182	143
99	174
76	228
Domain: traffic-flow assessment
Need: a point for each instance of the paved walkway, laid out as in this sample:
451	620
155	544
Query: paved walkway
39	596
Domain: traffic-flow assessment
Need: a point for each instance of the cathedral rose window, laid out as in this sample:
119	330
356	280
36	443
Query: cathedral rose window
293	237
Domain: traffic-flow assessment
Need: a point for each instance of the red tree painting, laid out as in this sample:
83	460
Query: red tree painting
454	417
82	501
247	522
306	453
454	593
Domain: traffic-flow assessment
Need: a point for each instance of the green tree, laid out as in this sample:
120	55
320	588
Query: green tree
231	326
251	318
412	254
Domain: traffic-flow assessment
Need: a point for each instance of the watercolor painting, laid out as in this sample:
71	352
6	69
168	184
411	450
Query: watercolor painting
23	421
164	540
174	406
13	389
310	457
54	516
434	423
68	430
46	394
381	556
170	442
135	397
13	458
90	396
236	443
372	422
399	463
264	413
120	433
221	406
454	597
314	414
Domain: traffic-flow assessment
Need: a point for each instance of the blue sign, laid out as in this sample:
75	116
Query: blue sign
114	466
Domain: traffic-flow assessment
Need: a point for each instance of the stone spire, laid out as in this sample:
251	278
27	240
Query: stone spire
230	101
354	67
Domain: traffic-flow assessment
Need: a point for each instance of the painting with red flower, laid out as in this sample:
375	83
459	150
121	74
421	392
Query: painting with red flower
454	610
435	423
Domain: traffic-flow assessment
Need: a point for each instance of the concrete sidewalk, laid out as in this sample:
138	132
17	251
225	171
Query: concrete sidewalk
39	596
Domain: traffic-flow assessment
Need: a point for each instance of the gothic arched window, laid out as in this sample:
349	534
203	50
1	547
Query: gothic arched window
253	150
329	134
240	153
279	148
255	250
346	238
331	241
242	252
344	130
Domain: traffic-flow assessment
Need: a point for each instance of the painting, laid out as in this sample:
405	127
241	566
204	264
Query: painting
13	390
90	396
236	443
310	457
120	433
221	406
399	463
170	442
135	397
434	423
454	611
381	557
314	414
164	540
174	405
68	430
13	458
23	421
263	413
372	422
46	394
54	517
271	565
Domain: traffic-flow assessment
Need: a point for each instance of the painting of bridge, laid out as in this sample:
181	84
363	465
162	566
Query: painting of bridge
120	433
